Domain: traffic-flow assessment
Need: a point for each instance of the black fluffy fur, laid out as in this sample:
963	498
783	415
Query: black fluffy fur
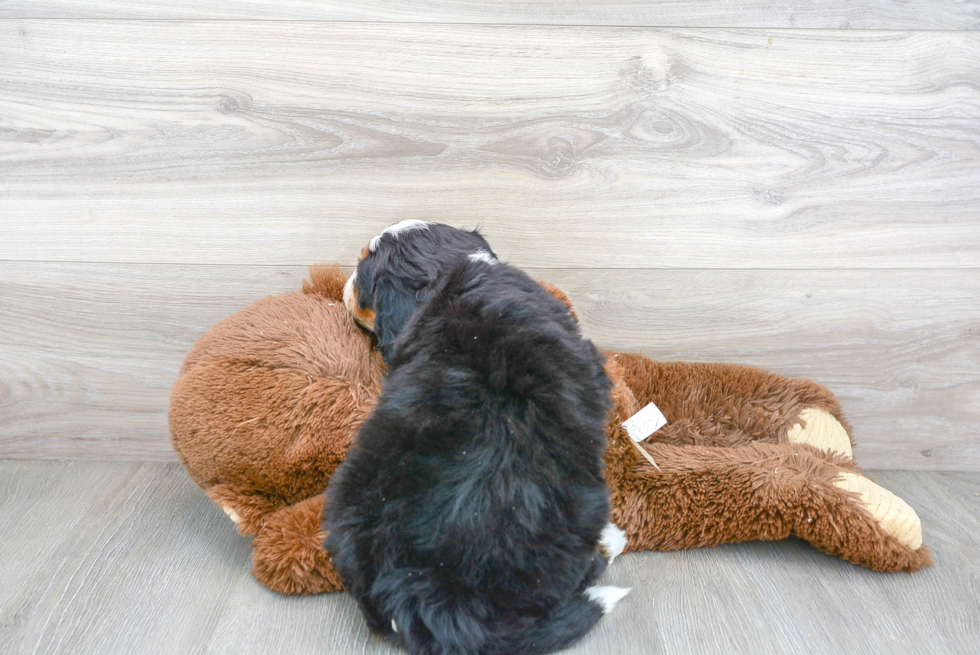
470	507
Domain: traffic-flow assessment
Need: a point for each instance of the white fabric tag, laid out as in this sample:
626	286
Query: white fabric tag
645	422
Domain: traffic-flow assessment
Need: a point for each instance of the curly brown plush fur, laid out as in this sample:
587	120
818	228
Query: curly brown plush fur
268	401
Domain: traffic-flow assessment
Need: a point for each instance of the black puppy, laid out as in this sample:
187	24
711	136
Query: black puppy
471	514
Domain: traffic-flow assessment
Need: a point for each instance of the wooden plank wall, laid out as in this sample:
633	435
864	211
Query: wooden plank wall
800	14
709	182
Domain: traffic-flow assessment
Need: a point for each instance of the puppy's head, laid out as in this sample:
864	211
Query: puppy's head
399	267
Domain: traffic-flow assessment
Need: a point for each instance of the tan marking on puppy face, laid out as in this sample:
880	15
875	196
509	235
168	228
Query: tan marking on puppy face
364	253
365	318
362	316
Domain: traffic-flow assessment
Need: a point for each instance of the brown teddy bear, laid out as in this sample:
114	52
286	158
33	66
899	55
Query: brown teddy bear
269	400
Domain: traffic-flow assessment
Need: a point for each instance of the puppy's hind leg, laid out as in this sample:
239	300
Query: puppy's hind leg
612	542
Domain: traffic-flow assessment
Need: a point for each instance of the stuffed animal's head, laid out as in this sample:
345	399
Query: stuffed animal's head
398	269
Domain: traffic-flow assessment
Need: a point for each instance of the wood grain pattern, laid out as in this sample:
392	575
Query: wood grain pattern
133	558
88	352
863	14
276	143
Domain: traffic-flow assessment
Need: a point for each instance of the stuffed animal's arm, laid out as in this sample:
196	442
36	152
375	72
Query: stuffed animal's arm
288	554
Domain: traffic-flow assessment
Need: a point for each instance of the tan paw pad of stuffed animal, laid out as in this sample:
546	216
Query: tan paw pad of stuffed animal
821	430
891	512
269	400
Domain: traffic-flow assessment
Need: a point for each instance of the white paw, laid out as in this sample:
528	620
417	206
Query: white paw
606	597
612	541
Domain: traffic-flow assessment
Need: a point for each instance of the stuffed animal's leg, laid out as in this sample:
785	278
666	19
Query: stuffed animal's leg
731	405
288	554
287	540
705	496
248	510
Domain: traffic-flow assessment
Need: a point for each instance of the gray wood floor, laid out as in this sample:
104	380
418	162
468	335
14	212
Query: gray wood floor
133	558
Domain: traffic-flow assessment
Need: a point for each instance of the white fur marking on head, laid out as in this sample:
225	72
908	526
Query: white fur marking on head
398	228
606	597
482	256
613	541
349	292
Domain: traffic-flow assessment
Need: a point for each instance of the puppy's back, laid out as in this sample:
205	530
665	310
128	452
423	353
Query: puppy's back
495	322
485	452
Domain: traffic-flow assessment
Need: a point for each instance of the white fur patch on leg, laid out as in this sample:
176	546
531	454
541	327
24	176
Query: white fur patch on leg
606	597
397	228
612	542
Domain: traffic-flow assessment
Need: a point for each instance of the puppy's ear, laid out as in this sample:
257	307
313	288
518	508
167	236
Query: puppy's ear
394	308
